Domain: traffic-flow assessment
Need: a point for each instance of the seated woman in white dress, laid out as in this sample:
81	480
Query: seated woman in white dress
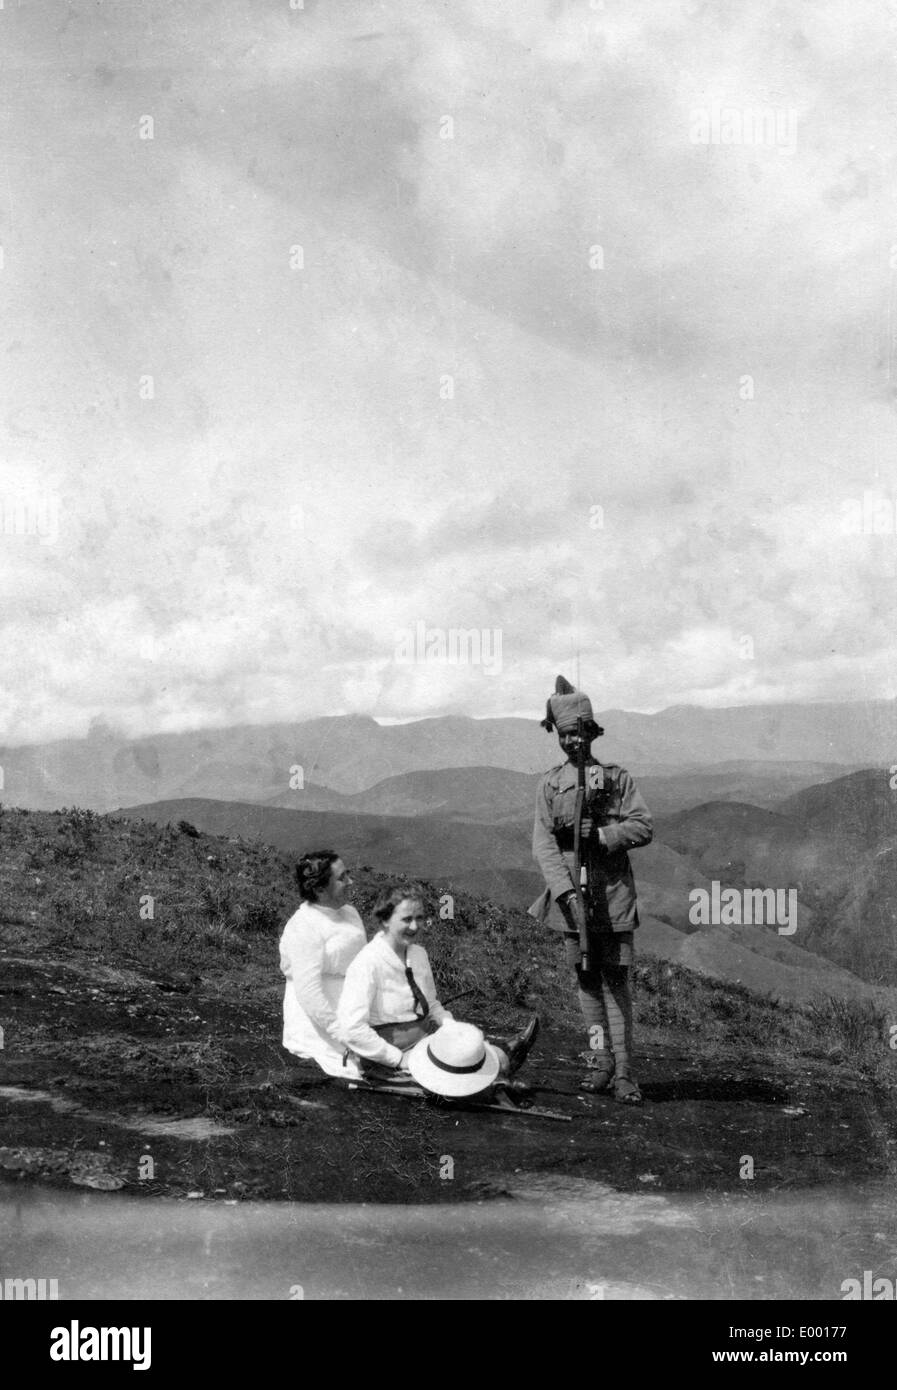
389	1002
318	944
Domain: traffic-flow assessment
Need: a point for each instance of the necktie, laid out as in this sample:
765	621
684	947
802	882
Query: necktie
421	1007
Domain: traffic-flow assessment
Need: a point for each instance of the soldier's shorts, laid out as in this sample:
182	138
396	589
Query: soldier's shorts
611	948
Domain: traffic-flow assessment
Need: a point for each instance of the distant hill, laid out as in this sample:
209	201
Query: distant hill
761	961
495	795
746	845
493	862
489	794
759	783
862	804
350	753
490	861
860	922
861	734
845	874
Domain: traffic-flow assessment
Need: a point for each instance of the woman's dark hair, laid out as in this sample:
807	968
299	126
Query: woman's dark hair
313	873
394	893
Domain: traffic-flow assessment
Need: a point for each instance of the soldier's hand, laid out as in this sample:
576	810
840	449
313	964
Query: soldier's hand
572	950
573	912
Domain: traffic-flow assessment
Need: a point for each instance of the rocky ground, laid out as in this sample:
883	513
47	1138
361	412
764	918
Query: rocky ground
109	1080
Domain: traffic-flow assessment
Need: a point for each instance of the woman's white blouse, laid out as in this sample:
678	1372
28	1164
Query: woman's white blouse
376	991
317	946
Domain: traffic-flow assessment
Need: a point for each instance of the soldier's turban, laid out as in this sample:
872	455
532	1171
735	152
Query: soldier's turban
566	707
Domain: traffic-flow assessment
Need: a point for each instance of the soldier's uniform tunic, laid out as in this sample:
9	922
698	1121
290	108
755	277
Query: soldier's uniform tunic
615	808
614	805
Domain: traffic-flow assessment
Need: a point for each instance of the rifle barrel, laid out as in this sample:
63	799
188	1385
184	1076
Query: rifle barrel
577	842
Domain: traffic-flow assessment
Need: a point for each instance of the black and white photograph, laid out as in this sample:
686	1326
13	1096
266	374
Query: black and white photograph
448	699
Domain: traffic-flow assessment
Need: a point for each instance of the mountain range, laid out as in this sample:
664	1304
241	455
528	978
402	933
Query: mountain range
349	754
495	794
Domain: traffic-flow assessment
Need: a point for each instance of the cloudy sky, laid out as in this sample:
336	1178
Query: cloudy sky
511	316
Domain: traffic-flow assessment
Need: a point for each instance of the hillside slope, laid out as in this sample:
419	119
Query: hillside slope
492	861
863	804
845	875
741	844
143	1052
495	862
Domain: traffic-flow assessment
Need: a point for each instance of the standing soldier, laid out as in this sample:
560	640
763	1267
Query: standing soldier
590	891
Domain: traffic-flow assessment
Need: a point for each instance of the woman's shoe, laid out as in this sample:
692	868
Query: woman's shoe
518	1048
516	1088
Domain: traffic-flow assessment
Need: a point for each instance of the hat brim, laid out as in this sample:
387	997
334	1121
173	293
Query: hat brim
451	1083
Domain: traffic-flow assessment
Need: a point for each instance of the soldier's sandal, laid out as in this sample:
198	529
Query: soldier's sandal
626	1091
597	1079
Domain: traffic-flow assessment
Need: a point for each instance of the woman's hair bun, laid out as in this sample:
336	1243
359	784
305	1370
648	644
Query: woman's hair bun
313	873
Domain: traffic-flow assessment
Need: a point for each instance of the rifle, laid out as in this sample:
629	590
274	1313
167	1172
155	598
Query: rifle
580	872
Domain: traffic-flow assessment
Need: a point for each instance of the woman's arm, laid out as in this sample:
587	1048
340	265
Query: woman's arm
305	954
354	1014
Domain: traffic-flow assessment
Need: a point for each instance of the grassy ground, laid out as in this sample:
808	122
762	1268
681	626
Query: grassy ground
141	999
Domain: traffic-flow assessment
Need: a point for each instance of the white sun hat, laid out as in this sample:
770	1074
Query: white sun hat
456	1060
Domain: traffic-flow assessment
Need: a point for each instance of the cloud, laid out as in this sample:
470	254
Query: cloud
542	366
